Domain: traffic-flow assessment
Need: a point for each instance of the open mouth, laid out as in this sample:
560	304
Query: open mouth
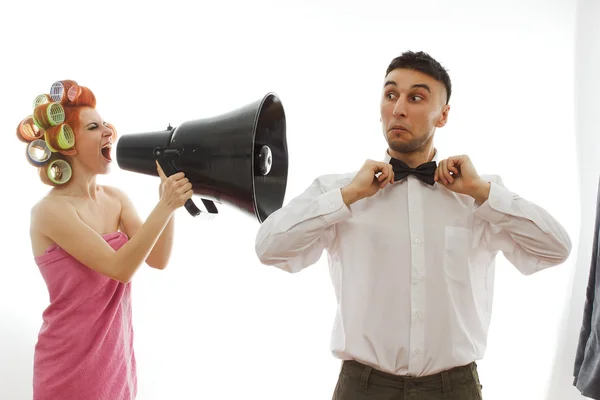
105	151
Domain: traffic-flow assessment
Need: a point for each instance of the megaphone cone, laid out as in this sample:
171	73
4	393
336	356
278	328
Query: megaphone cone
239	158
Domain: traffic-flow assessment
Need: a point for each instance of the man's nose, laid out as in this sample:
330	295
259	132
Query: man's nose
400	108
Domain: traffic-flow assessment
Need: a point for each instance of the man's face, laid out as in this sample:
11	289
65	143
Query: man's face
413	104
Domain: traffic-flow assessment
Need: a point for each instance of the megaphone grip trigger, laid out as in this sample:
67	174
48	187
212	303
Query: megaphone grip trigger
191	207
163	156
210	206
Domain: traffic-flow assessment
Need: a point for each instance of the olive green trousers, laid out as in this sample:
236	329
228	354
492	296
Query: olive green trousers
360	382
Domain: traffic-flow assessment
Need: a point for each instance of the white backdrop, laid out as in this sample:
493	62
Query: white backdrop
587	104
216	324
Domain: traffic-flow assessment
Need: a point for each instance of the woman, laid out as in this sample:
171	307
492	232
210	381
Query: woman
88	242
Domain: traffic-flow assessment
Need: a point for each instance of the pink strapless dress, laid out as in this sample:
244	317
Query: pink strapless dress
85	345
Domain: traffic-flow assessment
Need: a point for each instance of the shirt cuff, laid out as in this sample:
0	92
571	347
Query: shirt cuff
332	207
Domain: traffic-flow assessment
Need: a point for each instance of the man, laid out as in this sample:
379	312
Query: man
412	242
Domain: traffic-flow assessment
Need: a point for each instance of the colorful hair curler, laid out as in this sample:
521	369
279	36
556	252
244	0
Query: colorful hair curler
49	114
59	171
59	89
28	130
38	152
41	99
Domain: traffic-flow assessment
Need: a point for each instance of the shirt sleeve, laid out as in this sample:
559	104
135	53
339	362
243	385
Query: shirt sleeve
294	237
528	236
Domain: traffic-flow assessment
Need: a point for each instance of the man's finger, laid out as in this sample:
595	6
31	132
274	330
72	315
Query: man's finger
446	172
441	169
453	164
379	166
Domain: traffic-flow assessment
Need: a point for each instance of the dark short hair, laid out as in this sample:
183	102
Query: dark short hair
422	62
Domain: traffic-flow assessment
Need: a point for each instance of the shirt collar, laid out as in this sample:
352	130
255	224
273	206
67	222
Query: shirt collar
387	156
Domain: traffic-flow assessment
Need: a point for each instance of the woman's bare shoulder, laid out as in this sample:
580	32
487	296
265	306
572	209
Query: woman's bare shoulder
113	192
47	205
47	202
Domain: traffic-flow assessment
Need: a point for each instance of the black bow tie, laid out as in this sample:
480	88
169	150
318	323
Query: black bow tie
424	172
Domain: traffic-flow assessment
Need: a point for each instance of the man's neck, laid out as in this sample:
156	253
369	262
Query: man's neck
415	158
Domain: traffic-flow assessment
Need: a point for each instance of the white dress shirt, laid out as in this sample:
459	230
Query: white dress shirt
412	266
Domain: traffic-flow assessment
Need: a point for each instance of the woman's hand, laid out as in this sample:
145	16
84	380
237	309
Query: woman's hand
175	190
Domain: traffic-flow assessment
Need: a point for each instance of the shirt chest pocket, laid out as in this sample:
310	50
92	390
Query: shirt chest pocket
457	243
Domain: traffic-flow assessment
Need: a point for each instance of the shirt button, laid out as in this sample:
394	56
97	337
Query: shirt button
417	240
417	352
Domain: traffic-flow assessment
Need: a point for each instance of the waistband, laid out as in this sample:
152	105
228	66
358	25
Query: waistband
365	373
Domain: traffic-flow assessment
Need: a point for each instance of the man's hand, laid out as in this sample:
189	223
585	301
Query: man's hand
458	174
366	182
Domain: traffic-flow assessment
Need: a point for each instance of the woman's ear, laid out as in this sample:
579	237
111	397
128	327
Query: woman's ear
71	152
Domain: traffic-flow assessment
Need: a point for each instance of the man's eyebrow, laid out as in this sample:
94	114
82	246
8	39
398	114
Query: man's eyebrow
421	85
416	85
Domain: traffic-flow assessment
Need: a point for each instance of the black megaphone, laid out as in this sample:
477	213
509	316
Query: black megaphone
239	158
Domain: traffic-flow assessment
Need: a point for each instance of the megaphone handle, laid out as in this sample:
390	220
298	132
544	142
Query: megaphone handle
189	205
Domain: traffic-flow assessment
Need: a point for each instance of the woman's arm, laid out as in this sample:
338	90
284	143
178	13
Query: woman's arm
131	223
60	222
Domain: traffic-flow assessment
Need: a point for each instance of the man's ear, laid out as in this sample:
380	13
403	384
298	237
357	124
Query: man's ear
443	117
